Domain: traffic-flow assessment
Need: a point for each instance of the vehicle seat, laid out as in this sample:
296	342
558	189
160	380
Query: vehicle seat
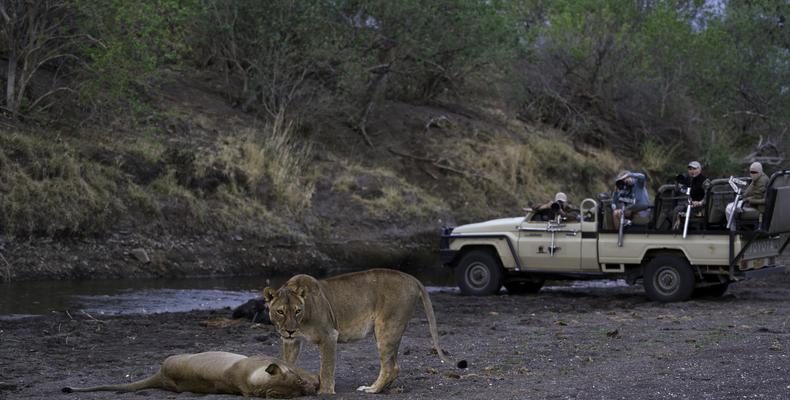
664	205
718	196
605	211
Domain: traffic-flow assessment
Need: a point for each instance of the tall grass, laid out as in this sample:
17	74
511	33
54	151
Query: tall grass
533	170
271	161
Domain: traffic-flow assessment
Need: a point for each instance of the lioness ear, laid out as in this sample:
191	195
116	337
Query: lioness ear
301	291
268	294
274	369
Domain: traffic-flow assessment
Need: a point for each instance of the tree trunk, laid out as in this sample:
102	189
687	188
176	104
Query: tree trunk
10	97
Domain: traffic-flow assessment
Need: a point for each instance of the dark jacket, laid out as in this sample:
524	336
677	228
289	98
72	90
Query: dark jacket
567	210
698	185
755	193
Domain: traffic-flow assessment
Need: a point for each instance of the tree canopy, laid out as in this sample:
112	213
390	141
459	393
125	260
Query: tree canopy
708	77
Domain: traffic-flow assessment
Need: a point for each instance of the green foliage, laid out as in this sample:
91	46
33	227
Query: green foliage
745	68
619	72
307	53
128	41
431	46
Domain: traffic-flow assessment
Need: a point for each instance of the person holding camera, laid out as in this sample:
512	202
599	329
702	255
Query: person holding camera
699	184
560	206
753	202
632	193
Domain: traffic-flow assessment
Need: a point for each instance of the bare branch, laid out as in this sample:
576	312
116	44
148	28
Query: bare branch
3	12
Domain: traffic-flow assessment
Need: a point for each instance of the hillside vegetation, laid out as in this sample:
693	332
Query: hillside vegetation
247	137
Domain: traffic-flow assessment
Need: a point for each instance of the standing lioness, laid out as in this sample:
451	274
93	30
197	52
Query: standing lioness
345	308
218	372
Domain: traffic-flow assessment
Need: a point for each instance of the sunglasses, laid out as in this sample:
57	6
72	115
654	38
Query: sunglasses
753	172
692	168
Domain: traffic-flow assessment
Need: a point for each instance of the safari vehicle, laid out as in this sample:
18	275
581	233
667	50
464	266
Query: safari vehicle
522	253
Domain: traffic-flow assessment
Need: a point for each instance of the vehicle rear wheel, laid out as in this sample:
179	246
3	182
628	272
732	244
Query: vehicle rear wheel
717	290
479	274
669	278
523	286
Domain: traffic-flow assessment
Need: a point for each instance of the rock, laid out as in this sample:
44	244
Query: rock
254	310
7	386
141	255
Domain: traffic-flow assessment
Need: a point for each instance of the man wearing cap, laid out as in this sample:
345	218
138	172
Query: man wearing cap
698	183
631	184
560	206
753	202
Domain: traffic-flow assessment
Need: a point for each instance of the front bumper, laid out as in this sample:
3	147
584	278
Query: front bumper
446	256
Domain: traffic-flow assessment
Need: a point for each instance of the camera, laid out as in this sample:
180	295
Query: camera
620	184
555	206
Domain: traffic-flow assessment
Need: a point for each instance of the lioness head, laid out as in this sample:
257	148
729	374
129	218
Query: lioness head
286	306
280	381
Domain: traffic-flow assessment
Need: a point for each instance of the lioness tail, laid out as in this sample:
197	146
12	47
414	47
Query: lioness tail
152	382
428	306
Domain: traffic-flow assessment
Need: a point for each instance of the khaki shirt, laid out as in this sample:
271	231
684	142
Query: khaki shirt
755	193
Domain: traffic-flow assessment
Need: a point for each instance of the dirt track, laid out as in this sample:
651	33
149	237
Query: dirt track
600	343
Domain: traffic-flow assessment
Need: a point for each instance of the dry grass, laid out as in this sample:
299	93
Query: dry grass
657	160
269	157
532	170
48	189
384	193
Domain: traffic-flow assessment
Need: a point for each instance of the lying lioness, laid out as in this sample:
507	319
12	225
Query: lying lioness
347	307
218	372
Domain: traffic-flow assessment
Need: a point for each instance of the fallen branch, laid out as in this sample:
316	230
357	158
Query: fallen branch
91	317
363	122
435	163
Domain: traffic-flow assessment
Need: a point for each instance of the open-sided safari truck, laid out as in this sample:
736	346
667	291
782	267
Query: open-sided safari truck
522	253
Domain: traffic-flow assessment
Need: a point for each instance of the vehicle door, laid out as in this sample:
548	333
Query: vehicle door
589	236
550	245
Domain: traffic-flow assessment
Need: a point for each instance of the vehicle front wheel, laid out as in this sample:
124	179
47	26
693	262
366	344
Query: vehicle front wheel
479	274
669	278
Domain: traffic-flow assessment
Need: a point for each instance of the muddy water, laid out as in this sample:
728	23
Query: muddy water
145	296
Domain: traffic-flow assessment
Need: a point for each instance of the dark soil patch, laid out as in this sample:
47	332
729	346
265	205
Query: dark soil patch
599	343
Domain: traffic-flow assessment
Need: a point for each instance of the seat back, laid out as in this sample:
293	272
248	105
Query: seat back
605	210
777	198
664	206
719	195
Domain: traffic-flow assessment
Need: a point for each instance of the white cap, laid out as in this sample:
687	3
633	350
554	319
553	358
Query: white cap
561	197
695	165
756	167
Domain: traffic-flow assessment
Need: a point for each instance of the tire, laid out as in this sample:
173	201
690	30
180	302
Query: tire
669	278
479	274
516	287
712	291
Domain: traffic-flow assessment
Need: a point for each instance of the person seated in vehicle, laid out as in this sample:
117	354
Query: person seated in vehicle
559	206
630	185
699	184
753	203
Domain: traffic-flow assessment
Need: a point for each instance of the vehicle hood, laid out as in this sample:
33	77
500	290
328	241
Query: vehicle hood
494	225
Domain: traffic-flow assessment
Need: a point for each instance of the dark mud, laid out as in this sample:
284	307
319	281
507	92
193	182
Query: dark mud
593	343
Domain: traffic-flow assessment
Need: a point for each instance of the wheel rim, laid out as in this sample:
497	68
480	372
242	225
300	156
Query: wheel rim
666	280
477	275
